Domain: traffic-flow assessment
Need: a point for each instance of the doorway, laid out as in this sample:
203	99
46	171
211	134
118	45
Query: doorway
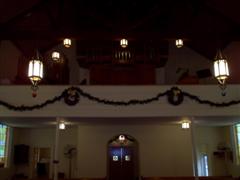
41	162
123	158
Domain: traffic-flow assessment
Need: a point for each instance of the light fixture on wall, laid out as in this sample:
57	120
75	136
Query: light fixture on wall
121	138
185	124
124	43
221	71
35	72
67	42
56	56
179	43
62	125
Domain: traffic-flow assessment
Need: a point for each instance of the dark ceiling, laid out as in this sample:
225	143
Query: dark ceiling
205	25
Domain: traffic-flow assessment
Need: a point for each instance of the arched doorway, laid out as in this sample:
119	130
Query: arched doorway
123	158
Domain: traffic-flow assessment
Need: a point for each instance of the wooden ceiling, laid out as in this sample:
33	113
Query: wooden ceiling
205	25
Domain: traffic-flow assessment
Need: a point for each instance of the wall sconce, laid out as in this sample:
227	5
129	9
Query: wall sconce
186	124
124	43
221	71
121	138
179	43
62	125
67	42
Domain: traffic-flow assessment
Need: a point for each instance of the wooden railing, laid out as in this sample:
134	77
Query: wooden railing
189	178
64	179
162	178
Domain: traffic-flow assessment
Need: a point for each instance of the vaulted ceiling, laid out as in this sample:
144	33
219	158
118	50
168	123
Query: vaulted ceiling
205	25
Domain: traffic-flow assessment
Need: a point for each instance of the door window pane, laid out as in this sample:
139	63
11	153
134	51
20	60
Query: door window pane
127	158
115	158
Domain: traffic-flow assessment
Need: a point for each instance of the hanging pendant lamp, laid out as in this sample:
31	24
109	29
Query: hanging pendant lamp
35	72
221	71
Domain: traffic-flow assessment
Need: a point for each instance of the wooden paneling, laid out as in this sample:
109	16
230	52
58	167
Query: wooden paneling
189	178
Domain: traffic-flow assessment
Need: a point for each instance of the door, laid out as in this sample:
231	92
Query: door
122	160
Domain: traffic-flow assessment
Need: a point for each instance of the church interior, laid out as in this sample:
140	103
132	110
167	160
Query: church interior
119	90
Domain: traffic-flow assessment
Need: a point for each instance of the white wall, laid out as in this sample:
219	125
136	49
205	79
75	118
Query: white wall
68	137
70	53
160	75
85	107
45	138
185	58
232	165
207	141
84	75
164	150
178	58
232	54
9	56
34	138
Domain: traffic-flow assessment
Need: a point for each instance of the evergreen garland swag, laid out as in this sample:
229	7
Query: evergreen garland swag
71	97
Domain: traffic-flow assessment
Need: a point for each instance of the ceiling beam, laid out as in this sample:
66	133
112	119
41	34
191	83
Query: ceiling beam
24	13
155	11
13	34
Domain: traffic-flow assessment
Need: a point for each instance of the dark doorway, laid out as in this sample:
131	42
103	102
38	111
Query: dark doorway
41	162
123	158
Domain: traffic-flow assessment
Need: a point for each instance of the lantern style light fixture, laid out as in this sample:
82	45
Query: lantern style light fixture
186	124
124	43
35	72
221	71
67	42
56	56
179	43
62	125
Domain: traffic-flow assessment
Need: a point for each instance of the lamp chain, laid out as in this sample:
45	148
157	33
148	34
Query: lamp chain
223	89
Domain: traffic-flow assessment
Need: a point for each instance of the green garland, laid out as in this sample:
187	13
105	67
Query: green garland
71	97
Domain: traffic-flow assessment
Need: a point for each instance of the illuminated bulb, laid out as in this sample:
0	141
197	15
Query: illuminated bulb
186	124
121	138
35	73
124	43
56	56
35	70
67	42
62	125
221	71
179	43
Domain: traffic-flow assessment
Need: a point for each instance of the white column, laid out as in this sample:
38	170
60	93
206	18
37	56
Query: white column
194	150
56	160
160	75
72	62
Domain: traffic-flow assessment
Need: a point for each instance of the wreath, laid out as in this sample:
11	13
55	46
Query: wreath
175	96
72	97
